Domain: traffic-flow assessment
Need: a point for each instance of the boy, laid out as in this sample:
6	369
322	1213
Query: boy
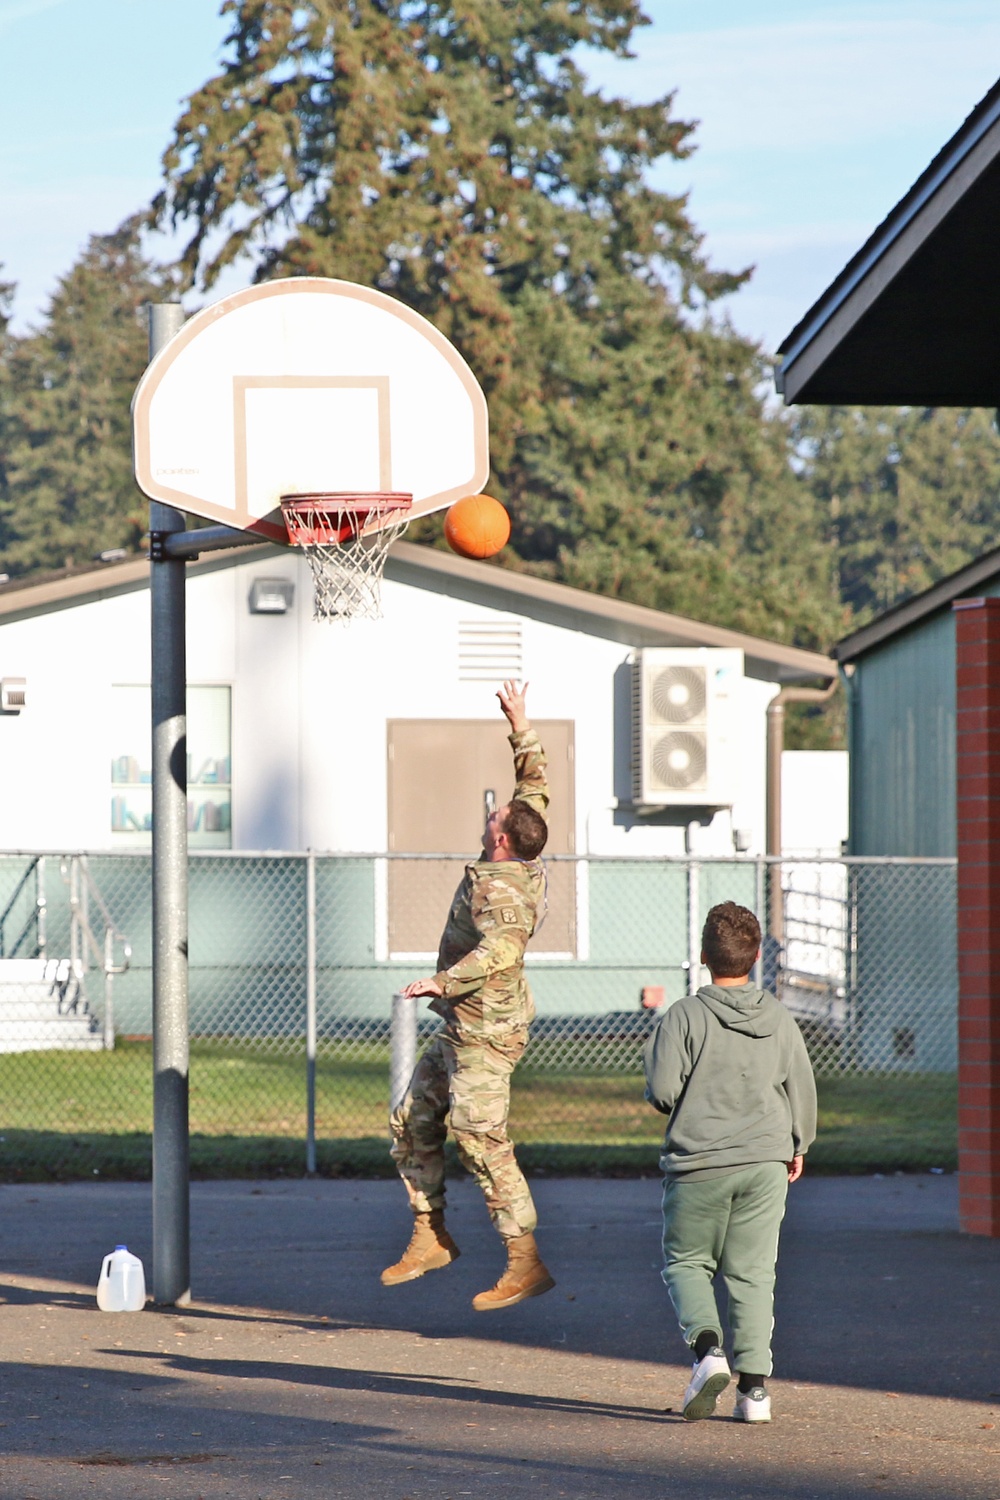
730	1068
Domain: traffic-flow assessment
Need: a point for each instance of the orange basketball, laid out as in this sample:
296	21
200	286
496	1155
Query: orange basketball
477	526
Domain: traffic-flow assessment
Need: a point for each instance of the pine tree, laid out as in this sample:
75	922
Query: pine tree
7	290
451	153
907	495
65	432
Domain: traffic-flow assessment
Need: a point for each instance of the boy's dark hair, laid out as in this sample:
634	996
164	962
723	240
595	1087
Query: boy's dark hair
730	940
525	829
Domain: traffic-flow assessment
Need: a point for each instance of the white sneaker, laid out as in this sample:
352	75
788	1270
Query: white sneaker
752	1406
709	1379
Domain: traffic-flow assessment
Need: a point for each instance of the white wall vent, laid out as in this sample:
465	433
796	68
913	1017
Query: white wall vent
13	694
489	650
684	727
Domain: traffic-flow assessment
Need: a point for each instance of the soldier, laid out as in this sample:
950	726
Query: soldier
464	1075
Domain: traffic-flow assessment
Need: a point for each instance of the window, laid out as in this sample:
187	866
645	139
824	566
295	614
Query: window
209	767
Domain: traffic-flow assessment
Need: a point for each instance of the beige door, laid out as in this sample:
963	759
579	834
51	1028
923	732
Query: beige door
445	776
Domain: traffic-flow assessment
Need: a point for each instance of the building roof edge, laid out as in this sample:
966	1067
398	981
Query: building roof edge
903	616
633	624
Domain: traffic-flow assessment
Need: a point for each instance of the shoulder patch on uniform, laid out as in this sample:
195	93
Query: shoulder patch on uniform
508	915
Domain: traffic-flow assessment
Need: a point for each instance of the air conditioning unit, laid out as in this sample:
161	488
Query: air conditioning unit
684	727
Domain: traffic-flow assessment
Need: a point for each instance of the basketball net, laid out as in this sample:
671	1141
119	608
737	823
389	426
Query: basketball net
346	540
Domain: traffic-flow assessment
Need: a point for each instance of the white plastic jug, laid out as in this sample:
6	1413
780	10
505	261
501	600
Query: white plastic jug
122	1285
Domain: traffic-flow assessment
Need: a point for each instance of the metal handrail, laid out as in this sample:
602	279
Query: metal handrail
84	943
35	920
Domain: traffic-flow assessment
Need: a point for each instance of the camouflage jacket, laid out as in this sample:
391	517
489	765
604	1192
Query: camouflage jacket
494	912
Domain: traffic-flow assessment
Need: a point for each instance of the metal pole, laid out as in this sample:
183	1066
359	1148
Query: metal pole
41	903
775	747
694	927
74	917
83	894
310	1012
402	1047
758	968
168	678
109	981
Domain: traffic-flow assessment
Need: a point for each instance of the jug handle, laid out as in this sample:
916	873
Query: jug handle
105	1264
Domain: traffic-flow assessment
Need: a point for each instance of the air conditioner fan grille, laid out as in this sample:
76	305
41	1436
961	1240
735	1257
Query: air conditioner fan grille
679	761
678	694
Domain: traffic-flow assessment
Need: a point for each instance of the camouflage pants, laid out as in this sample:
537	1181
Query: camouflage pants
466	1085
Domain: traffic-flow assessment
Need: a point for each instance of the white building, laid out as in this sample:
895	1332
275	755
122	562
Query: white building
364	737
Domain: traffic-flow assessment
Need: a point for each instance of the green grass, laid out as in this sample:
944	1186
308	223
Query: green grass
73	1115
886	1122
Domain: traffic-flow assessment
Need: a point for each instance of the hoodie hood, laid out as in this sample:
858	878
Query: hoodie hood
743	1008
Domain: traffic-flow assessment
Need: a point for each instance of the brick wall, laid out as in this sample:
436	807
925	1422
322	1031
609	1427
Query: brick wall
977	646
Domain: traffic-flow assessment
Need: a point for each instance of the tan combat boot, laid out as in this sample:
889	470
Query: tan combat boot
430	1248
525	1276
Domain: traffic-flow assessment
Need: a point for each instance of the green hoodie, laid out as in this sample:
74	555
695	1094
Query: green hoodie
730	1068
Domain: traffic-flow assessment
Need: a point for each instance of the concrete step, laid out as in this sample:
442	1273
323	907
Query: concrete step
42	1008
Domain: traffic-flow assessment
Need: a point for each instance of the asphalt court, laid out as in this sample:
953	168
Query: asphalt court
295	1373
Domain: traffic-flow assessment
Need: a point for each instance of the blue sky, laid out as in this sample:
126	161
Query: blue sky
814	120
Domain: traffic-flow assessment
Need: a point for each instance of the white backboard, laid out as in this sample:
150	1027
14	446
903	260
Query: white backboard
306	384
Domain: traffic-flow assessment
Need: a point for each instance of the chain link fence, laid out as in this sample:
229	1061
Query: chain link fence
287	948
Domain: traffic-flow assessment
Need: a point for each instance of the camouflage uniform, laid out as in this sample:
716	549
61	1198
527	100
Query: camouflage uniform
464	1075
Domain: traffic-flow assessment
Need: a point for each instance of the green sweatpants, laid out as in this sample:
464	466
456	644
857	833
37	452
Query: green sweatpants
728	1224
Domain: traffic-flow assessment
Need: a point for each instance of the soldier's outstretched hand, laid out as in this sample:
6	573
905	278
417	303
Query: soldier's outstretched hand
512	702
421	987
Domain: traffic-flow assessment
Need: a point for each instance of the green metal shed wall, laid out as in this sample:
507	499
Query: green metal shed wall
903	743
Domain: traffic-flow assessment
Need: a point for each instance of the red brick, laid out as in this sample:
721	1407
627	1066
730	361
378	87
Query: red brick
975	1184
977	760
977	786
979	1096
971	675
977	984
978	1050
977	1225
978	963
970	717
975	900
979	763
974	867
973	742
972	645
981	1073
979	1204
975	693
973	803
977	1024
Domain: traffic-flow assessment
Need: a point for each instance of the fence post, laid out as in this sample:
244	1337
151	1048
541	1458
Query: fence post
109	980
310	1012
694	927
74	919
402	1047
41	902
758	968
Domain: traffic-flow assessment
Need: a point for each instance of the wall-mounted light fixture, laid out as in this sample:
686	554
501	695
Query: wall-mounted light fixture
13	694
271	596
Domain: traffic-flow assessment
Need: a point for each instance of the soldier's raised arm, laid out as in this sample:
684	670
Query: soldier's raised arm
529	757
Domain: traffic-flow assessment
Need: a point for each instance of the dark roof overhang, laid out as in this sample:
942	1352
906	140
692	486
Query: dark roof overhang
914	317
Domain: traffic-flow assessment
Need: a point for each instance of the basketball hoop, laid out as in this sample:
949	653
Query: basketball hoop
346	539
